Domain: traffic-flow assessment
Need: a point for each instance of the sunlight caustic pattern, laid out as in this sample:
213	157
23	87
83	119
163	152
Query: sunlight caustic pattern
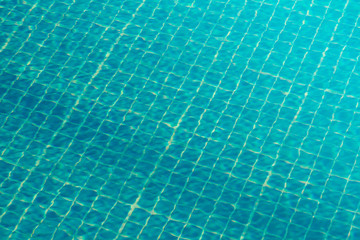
191	119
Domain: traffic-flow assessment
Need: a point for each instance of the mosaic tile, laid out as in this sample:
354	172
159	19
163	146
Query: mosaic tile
179	119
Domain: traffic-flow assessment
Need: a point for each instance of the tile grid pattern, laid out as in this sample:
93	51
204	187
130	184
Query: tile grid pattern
343	139
81	158
156	119
307	180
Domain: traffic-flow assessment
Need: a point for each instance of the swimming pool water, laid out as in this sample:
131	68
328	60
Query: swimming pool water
191	119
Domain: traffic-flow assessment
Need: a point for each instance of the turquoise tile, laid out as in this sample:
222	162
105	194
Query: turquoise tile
193	119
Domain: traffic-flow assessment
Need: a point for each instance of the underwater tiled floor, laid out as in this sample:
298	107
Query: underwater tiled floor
169	119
